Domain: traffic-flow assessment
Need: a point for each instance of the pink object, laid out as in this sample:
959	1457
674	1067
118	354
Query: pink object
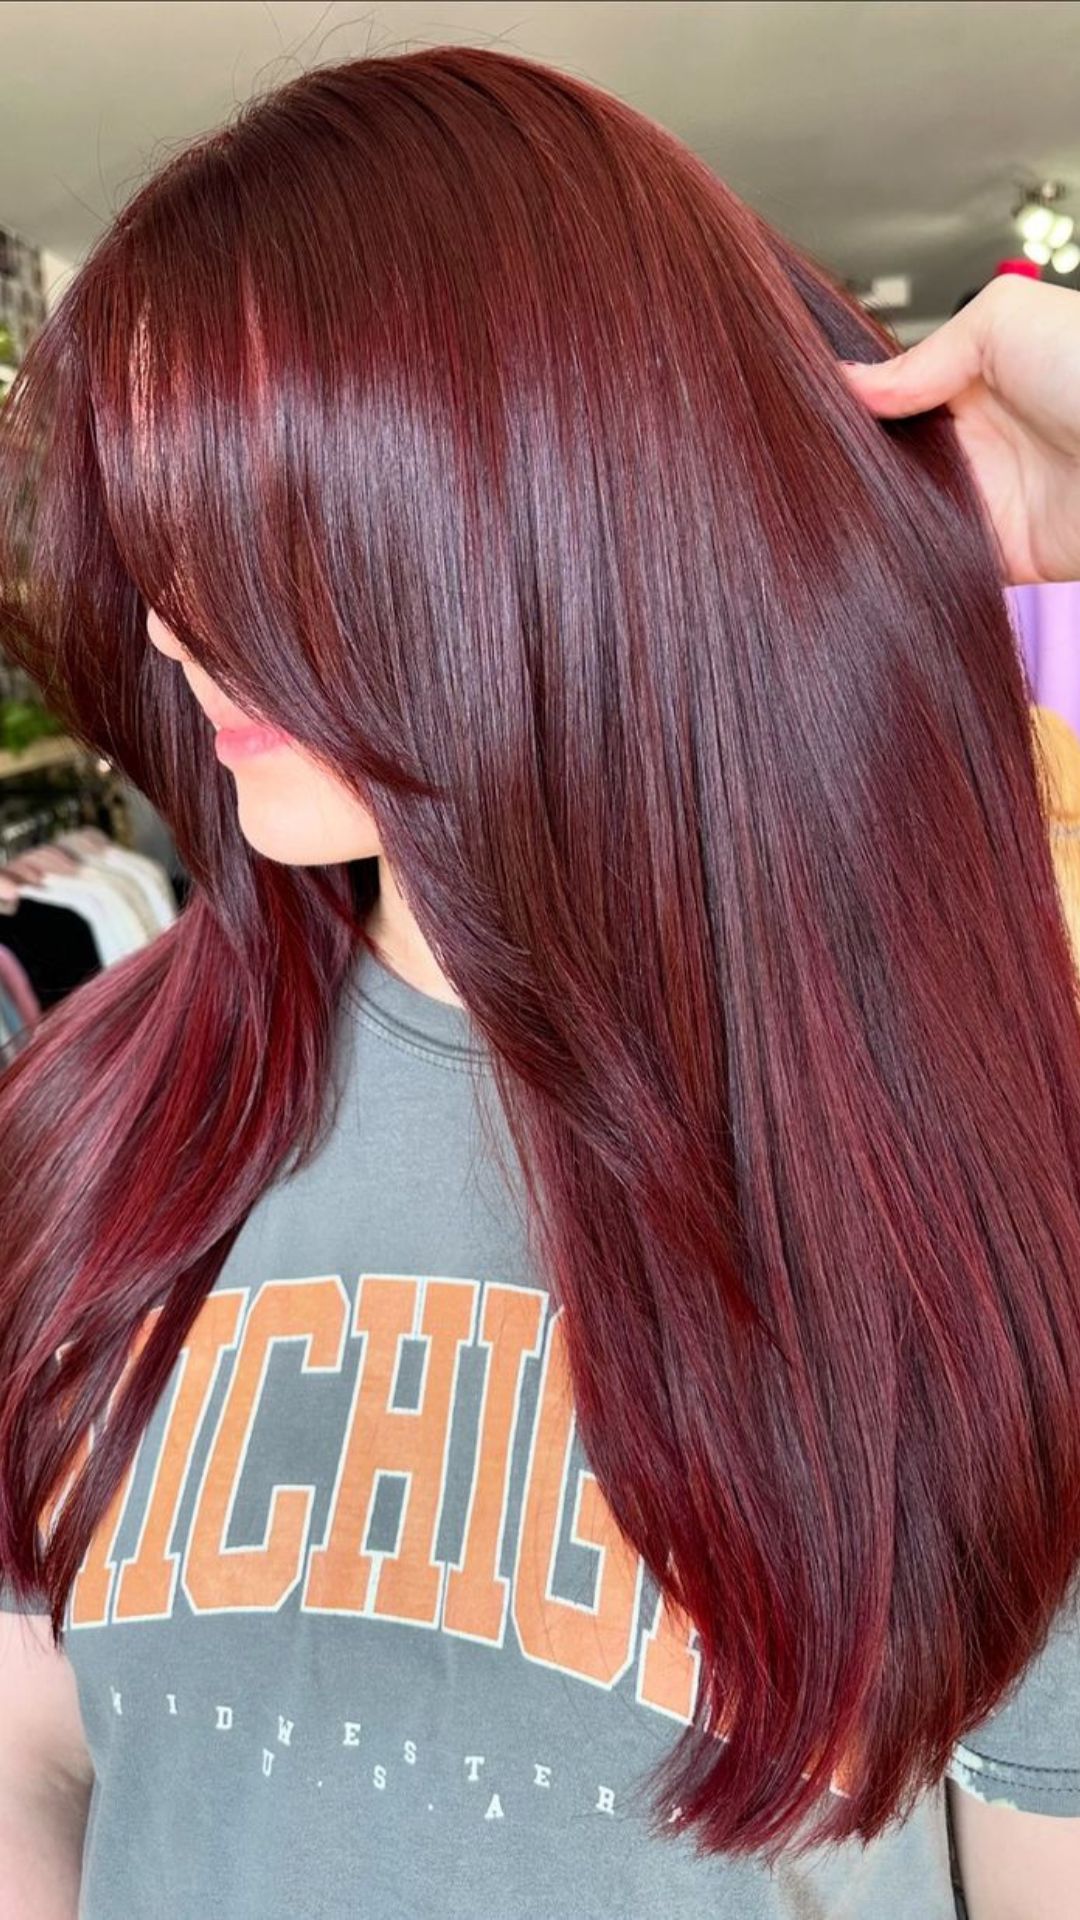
14	977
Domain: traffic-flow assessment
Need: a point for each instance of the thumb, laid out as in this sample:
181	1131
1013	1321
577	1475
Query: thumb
933	371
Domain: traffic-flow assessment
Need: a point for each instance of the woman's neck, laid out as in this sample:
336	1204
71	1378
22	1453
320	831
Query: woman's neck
401	944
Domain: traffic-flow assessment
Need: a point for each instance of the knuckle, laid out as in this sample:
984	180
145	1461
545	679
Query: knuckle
1009	289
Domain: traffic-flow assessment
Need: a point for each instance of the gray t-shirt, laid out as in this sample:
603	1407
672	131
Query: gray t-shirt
359	1641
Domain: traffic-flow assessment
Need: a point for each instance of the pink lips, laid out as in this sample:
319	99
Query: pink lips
233	744
237	737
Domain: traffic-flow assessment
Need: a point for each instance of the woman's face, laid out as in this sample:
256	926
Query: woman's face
290	807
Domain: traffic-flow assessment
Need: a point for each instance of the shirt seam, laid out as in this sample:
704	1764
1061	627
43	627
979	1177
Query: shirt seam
465	1063
1019	1771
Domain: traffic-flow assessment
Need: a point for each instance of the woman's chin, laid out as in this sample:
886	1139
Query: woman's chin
298	826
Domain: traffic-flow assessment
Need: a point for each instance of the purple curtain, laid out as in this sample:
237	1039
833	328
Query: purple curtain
1047	622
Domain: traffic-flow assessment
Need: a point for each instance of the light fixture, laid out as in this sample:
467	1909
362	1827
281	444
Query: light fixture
1034	222
1046	233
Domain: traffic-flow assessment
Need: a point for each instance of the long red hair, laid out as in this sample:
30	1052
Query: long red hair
460	422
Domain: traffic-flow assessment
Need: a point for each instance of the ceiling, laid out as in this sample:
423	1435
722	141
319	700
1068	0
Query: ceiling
885	138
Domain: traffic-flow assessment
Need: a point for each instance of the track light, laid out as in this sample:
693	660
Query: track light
1047	235
1034	222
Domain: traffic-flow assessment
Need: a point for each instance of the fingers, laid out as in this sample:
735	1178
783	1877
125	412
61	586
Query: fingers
933	371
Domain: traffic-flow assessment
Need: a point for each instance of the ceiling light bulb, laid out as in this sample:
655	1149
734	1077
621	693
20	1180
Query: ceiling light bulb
1067	258
1035	221
1060	232
1038	251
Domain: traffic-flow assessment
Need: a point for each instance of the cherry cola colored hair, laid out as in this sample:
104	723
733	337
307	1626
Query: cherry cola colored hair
459	422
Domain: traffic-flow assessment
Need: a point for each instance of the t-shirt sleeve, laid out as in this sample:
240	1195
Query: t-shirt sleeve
1027	1754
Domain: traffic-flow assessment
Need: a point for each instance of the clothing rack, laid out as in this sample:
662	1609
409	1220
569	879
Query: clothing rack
54	785
17	835
72	901
50	751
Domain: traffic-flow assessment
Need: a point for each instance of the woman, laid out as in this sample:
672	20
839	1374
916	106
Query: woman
538	1336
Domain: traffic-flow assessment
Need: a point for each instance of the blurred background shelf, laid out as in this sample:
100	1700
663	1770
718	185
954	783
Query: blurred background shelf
54	751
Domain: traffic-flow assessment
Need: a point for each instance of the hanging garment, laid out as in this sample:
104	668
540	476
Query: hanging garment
151	875
14	977
121	886
148	876
360	1634
54	945
115	928
151	880
13	1032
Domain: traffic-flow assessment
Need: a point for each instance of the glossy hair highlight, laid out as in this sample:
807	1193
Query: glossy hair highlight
459	422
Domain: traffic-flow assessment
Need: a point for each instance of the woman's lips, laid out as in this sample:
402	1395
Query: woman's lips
232	744
236	736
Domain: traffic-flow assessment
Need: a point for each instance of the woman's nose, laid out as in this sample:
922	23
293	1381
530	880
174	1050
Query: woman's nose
163	638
